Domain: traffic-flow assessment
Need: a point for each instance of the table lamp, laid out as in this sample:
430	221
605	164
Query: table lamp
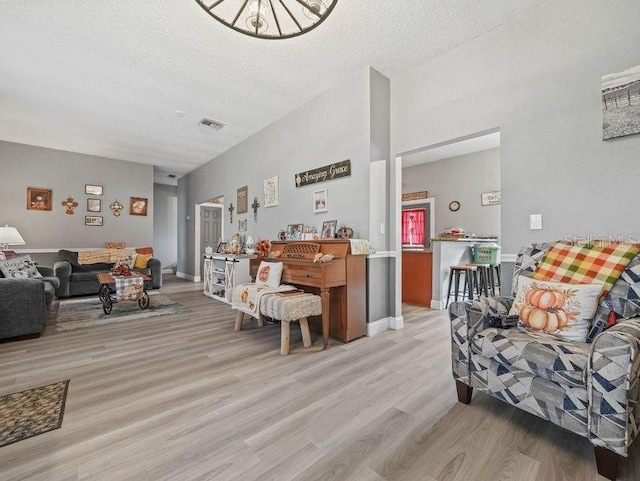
9	236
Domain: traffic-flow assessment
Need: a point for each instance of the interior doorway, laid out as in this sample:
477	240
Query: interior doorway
455	173
209	229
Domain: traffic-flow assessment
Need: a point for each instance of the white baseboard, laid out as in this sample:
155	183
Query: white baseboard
396	323
189	277
376	327
437	305
381	325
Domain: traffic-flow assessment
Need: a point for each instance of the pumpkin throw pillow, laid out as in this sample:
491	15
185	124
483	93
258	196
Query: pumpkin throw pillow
142	260
20	268
581	265
269	274
564	310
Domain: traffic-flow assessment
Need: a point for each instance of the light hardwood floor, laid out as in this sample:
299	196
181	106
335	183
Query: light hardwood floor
184	397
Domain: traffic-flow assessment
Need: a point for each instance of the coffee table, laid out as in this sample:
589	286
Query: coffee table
107	291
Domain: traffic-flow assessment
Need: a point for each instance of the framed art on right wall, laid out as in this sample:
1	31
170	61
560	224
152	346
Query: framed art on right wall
621	103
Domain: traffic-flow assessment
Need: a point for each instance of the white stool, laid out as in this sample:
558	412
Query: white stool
288	309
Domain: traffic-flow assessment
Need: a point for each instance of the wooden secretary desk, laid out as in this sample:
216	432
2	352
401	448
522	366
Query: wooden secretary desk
341	283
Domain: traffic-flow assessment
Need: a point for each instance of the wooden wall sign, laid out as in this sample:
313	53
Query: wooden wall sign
323	174
423	194
243	203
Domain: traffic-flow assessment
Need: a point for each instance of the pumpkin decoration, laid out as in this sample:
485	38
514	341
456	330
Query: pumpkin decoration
543	310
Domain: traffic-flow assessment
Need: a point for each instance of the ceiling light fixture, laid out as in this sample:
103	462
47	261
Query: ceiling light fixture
270	19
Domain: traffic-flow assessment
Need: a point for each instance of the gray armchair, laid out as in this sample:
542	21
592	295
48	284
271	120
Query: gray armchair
591	389
25	304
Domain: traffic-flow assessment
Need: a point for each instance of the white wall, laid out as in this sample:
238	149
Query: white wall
332	127
66	173
464	179
537	79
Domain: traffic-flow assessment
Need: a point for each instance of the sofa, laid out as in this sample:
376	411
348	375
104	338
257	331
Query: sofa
591	388
78	278
25	304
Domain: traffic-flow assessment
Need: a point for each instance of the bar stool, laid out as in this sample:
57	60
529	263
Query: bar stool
483	279
469	272
494	279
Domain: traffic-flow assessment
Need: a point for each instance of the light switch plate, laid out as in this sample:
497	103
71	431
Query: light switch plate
535	222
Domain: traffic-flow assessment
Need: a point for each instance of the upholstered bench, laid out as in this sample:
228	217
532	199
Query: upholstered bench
288	309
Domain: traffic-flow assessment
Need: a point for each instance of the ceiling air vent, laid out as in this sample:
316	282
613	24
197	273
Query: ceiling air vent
212	124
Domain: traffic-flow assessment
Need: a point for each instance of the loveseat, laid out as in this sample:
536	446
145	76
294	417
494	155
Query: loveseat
590	388
79	278
25	303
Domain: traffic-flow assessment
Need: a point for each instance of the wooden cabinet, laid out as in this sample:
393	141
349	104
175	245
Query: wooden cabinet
417	276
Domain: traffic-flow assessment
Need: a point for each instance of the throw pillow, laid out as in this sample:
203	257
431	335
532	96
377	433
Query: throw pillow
581	265
269	274
564	310
144	250
114	245
124	256
142	260
20	268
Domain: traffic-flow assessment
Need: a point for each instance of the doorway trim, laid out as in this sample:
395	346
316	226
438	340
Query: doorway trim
196	221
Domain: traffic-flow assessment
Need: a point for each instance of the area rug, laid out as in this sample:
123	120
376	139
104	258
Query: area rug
87	312
35	411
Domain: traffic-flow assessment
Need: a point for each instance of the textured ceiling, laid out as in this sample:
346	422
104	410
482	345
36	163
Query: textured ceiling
107	77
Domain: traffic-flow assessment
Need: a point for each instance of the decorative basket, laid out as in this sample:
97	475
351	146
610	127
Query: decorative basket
301	250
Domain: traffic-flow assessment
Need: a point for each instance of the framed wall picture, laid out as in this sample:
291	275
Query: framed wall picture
242	225
320	201
271	192
93	220
138	206
243	201
91	189
329	229
621	103
94	205
492	198
39	199
294	231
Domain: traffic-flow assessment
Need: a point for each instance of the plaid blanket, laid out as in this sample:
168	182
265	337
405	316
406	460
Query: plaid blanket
129	288
576	264
246	297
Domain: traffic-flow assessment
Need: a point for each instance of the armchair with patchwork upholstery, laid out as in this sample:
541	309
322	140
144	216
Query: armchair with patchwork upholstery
591	388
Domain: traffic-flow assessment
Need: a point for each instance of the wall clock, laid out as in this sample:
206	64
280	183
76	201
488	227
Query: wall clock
454	206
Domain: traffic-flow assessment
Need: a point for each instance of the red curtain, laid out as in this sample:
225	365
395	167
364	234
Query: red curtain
413	227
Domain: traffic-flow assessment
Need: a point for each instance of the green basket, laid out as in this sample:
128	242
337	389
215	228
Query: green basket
486	255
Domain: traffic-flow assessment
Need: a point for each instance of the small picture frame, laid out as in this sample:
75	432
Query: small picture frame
491	198
294	231
93	220
242	225
91	189
38	198
94	205
221	247
138	206
329	229
320	201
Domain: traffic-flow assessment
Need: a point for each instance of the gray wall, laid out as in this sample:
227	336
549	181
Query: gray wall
537	79
462	178
332	127
165	225
66	173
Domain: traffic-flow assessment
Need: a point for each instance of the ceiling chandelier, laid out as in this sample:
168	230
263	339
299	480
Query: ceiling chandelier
269	19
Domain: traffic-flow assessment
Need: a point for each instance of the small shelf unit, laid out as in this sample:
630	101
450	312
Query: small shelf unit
222	272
